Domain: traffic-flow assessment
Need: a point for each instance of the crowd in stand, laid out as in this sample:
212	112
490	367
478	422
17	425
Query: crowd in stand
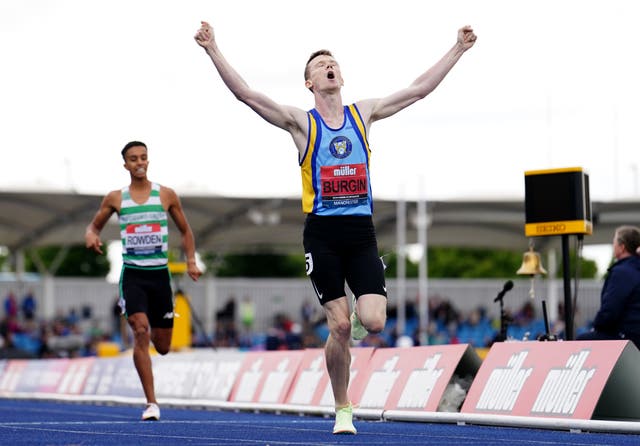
446	325
23	335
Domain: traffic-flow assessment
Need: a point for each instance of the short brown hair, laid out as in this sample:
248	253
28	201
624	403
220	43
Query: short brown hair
313	56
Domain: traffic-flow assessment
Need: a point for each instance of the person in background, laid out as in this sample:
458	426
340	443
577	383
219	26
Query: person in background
29	306
11	304
247	314
146	297
619	313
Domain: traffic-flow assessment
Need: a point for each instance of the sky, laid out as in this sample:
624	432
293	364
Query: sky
549	84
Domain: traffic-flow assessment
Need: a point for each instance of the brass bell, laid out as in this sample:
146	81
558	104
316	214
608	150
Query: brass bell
531	264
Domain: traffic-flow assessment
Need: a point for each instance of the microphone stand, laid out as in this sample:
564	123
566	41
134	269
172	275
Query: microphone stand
547	336
504	320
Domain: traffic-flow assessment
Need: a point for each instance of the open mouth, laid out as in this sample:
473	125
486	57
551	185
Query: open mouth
331	75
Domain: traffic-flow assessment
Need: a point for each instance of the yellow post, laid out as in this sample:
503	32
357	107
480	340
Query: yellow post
181	337
181	323
105	349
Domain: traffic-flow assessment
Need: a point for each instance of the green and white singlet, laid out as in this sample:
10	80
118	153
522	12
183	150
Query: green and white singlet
144	230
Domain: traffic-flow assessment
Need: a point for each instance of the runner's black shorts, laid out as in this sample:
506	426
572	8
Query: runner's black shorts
147	290
341	249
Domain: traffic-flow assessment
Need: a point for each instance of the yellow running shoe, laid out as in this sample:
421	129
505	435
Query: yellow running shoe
344	421
358	332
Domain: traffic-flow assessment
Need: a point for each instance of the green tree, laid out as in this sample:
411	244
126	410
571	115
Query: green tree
391	262
475	263
4	255
467	263
256	265
588	269
78	261
462	263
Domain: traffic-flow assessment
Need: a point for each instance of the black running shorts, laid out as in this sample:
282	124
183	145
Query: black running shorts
148	290
342	249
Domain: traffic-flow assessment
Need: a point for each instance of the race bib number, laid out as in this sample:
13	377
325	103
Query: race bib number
143	239
344	185
308	260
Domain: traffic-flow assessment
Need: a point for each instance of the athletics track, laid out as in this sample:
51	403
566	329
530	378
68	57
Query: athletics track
38	422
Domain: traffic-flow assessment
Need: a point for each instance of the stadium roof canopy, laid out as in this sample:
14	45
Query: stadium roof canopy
248	225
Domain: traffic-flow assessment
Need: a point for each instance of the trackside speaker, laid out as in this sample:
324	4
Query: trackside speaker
557	202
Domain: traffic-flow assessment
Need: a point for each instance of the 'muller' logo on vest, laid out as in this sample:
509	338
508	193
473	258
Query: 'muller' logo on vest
344	171
143	228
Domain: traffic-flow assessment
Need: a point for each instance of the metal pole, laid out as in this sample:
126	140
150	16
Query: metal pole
552	284
423	305
566	274
401	240
210	305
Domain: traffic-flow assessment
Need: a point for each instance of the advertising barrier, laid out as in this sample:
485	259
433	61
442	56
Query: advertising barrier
570	379
311	386
558	385
266	377
413	378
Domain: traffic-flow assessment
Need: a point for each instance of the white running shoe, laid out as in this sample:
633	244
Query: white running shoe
151	413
